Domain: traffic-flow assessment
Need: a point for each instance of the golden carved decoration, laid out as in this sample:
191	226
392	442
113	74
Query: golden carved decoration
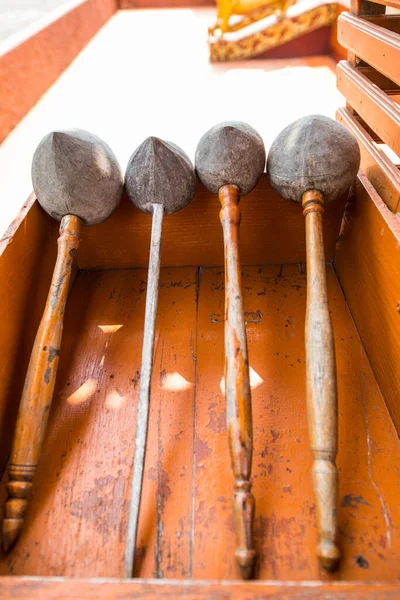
258	37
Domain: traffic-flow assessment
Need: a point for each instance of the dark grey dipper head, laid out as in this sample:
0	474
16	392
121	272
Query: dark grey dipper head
230	153
313	153
159	172
75	173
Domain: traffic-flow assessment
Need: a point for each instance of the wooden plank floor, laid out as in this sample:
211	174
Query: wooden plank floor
76	524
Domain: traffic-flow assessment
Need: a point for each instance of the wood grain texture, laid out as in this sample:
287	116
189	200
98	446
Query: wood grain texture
164	543
77	517
39	384
321	385
74	589
260	237
28	70
29	241
380	112
85	468
368	262
374	44
285	527
381	172
237	384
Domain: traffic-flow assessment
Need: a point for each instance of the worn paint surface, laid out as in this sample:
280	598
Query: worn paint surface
77	516
95	589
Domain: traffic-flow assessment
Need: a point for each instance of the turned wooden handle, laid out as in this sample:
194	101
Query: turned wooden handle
39	385
237	383
321	384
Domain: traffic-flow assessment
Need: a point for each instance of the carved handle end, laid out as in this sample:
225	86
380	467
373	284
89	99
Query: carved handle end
243	515
245	559
18	488
328	554
325	479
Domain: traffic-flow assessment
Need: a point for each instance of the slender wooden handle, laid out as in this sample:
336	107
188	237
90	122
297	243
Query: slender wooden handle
321	384
39	385
142	419
237	384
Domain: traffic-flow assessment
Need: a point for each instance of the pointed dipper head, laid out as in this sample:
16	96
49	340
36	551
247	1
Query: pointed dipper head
230	153
75	173
313	153
159	172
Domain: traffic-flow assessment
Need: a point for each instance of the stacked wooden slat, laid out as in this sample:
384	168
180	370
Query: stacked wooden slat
370	81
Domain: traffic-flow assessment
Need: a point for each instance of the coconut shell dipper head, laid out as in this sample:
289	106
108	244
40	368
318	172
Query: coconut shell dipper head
313	153
159	172
230	153
75	173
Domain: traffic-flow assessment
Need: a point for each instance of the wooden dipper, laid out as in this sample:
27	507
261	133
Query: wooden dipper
230	160
313	161
77	180
159	180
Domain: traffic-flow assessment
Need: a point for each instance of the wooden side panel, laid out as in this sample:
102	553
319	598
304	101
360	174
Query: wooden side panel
394	3
375	45
272	231
29	242
368	266
382	173
373	105
380	80
26	588
77	519
28	70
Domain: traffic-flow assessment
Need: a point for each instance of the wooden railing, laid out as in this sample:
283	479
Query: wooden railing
370	82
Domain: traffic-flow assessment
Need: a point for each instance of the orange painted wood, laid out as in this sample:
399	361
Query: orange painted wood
381	172
368	262
260	237
394	3
375	45
285	531
77	518
164	542
380	80
39	384
387	21
28	70
366	7
85	469
373	105
74	589
29	241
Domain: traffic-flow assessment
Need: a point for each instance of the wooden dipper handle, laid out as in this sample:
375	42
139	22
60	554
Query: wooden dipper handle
321	384
39	385
237	383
